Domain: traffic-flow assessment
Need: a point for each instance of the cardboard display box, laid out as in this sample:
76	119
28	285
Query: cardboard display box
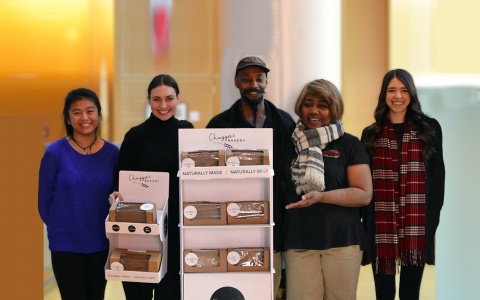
140	187
246	157
248	259
203	158
248	212
133	212
204	213
205	260
139	261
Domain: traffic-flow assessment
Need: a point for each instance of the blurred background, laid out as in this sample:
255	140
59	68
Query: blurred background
115	47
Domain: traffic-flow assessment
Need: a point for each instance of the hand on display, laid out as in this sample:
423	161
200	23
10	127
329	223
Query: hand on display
115	196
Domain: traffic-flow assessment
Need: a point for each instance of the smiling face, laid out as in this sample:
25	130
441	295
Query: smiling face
397	99
315	112
83	116
163	102
251	82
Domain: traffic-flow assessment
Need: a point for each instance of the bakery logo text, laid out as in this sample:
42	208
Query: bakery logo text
225	140
142	180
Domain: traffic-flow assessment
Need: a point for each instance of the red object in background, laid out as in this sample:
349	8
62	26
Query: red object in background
161	26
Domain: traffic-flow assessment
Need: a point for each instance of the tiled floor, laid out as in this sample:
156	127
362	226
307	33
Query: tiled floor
365	289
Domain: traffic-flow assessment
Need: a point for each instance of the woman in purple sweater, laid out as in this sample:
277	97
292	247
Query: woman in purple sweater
76	176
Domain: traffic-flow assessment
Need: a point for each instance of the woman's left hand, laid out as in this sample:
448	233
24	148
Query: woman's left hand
306	200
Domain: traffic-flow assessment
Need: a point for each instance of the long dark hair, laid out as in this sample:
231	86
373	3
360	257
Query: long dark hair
426	133
163	79
75	95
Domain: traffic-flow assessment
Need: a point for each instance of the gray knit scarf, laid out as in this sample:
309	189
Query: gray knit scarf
308	168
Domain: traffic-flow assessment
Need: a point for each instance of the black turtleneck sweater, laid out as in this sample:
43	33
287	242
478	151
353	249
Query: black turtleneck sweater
153	146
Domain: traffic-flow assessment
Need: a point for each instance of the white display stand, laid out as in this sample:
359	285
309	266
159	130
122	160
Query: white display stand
137	186
223	184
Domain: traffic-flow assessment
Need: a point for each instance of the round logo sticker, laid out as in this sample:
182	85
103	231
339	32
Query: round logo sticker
191	259
227	293
190	212
146	206
233	257
132	228
233	209
188	163
116	266
233	161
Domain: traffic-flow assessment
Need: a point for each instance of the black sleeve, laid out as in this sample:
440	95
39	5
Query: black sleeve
185	124
436	182
127	155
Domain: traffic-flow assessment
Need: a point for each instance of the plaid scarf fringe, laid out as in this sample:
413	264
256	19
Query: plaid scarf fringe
387	266
392	266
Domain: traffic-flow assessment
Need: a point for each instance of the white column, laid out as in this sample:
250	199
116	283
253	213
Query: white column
299	40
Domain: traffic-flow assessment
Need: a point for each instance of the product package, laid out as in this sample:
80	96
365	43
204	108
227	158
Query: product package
139	261
248	259
246	157
204	213
203	158
133	212
248	212
205	260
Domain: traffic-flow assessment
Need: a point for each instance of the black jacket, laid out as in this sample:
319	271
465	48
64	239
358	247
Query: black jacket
435	190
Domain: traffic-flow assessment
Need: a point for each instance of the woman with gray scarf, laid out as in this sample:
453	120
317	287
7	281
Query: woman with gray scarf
331	179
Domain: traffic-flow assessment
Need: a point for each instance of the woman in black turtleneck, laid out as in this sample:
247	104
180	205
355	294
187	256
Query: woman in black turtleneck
153	146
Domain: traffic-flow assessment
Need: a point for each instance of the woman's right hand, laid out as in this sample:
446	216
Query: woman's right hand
114	196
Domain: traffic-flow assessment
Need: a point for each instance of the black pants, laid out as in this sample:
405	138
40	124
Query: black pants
169	286
80	276
167	289
410	280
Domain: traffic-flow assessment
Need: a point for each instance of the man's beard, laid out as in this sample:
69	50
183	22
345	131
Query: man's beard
252	103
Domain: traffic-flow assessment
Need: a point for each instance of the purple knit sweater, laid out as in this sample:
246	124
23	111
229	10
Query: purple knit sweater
73	194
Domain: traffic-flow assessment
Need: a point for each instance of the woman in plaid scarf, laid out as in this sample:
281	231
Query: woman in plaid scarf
406	159
324	237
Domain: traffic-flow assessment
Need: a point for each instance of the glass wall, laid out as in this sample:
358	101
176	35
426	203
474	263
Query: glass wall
436	41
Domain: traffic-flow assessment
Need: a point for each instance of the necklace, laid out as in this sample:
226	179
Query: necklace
85	152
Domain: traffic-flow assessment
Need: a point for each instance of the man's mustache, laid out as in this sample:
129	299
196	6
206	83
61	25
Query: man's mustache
254	91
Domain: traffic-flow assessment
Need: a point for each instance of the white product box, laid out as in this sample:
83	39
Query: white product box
137	186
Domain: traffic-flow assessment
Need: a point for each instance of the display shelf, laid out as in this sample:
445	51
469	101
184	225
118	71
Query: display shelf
228	236
226	184
138	187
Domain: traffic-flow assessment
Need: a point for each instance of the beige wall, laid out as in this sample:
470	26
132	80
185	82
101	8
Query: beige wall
438	36
364	60
193	60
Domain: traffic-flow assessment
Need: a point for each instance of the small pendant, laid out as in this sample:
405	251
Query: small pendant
85	152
